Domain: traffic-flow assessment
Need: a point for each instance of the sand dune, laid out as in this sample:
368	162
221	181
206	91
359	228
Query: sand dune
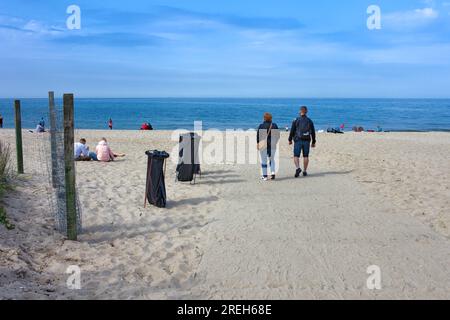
370	199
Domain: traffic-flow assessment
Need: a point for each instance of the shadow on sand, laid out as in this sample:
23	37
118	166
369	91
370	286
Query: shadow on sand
110	232
316	175
190	202
218	177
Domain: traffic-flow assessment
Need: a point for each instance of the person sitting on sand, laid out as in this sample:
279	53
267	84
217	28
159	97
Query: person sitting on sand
42	123
335	130
82	152
104	152
39	129
267	138
146	126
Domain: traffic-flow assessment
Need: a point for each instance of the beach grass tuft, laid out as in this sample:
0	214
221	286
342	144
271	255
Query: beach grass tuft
5	179
4	219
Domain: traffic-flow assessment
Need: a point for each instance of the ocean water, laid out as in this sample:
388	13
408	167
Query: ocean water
180	113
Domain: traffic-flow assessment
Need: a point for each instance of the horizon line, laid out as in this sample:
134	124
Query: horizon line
253	97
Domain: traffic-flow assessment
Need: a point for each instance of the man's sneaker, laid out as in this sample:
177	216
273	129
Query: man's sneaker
297	172
305	173
264	178
272	177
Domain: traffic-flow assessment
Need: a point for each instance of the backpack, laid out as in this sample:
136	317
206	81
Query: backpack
303	129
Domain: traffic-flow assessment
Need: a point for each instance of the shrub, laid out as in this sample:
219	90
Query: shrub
5	176
4	220
5	158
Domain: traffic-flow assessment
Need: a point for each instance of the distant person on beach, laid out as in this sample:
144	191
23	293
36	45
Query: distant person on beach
40	128
146	126
110	124
335	130
104	152
267	139
82	152
303	134
1	121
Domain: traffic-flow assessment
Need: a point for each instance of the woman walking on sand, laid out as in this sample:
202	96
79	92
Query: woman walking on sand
267	139
110	124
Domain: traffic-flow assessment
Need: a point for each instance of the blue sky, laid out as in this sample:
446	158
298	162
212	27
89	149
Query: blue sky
225	48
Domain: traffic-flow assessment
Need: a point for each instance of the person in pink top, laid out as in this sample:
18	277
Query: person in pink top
104	152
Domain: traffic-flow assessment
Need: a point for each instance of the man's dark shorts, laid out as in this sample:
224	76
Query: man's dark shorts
302	146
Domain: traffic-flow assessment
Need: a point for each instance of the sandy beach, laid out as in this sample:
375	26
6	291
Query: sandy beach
370	199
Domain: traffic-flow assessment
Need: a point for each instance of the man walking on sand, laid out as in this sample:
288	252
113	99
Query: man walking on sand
303	134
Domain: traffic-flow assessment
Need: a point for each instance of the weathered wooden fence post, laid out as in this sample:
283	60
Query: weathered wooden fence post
52	116
71	205
19	148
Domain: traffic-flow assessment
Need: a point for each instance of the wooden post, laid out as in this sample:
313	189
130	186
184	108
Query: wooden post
19	148
71	206
52	116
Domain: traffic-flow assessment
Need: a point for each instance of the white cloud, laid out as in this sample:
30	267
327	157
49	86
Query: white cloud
427	13
408	20
14	25
34	26
434	55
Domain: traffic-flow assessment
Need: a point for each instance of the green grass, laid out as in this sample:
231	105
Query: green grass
5	179
5	159
5	221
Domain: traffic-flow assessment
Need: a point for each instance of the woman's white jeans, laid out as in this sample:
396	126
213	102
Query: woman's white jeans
267	161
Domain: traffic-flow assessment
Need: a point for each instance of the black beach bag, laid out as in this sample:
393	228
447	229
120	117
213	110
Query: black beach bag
155	187
188	164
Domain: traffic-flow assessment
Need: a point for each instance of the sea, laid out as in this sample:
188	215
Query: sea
239	113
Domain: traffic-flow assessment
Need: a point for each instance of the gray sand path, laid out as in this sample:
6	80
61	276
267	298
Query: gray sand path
317	244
